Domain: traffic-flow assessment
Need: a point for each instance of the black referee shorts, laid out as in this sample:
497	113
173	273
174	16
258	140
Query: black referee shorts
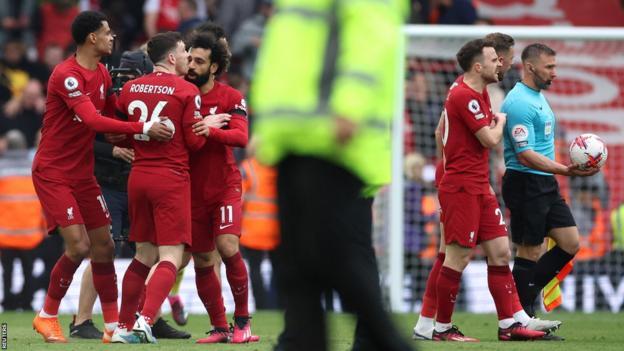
536	206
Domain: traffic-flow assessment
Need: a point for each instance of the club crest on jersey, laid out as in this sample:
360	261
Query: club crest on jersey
519	133
197	102
473	106
70	83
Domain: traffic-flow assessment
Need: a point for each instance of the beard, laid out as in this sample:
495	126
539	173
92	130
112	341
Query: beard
198	80
542	84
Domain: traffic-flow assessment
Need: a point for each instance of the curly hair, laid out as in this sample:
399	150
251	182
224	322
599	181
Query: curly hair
218	52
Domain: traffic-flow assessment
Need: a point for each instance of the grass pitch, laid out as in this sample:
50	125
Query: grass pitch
587	332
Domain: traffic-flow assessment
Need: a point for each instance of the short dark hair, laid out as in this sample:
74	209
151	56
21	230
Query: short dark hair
211	27
470	52
218	52
502	42
161	44
535	50
85	23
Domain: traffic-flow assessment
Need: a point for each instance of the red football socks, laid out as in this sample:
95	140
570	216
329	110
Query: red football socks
158	288
209	291
448	286
501	285
430	303
236	272
105	282
60	280
133	284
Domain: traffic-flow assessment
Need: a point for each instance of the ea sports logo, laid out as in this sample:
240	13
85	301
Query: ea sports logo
520	132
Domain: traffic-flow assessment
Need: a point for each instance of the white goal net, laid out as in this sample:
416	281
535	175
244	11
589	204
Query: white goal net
587	97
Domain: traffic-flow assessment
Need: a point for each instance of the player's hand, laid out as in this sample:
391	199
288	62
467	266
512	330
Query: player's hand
500	118
114	138
159	131
575	170
344	129
217	121
123	153
211	121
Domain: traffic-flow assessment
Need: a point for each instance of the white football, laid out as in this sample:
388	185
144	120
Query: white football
588	150
167	122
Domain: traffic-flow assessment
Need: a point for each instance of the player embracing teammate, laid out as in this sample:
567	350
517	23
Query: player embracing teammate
217	192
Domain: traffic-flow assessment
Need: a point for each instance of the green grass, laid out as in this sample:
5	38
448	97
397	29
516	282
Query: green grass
587	332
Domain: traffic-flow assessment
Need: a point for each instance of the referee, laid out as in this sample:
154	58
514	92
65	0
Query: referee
530	190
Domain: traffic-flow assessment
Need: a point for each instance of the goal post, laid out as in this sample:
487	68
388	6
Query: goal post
587	96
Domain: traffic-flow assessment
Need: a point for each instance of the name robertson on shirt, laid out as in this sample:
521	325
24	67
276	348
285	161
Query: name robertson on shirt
151	89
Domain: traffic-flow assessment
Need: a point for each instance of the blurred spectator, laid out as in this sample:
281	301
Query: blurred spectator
22	226
452	12
18	68
160	16
125	19
189	17
589	197
423	112
415	218
52	23
25	112
5	88
232	13
15	16
248	38
53	55
260	227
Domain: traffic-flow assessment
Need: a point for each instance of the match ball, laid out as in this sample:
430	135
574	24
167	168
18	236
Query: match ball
588	150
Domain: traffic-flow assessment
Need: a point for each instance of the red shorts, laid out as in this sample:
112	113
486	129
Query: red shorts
214	218
67	202
159	208
471	219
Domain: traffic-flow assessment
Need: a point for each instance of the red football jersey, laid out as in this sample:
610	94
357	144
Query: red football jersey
213	167
439	172
466	160
162	95
75	97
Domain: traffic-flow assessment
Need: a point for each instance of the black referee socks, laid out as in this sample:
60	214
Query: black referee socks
550	264
522	272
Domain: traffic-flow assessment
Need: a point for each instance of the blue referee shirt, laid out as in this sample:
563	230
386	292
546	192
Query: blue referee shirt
530	126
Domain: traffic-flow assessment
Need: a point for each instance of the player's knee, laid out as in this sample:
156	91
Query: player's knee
227	247
103	250
205	259
500	258
79	250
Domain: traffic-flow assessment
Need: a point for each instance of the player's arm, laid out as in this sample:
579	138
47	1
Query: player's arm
473	112
490	136
69	88
237	134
